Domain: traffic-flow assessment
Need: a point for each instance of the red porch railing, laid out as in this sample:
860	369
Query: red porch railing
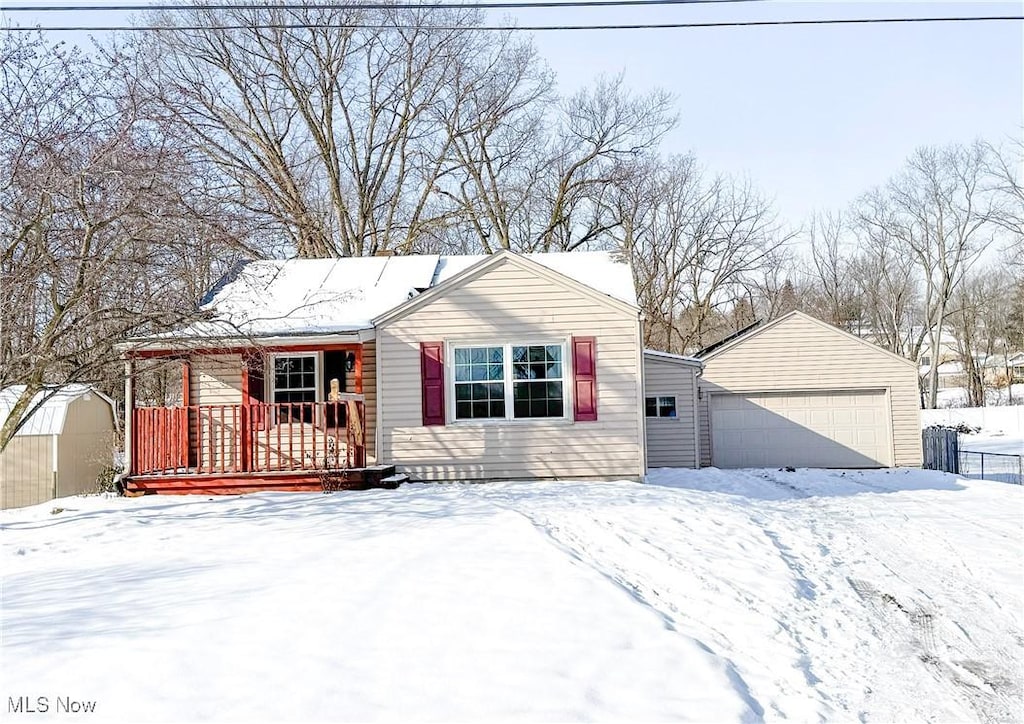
257	438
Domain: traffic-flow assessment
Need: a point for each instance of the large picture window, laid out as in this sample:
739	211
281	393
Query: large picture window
509	382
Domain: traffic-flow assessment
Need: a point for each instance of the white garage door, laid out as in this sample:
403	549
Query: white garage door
801	429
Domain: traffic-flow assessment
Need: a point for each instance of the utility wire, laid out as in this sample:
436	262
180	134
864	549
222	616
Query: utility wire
507	28
462	5
357	5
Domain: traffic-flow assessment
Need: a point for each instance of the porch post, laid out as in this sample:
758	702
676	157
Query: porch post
244	418
129	410
186	395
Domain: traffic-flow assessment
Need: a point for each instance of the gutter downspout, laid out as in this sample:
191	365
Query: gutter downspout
129	429
696	417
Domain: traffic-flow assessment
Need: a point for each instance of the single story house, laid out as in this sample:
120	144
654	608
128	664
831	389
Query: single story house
435	367
61	448
480	368
799	392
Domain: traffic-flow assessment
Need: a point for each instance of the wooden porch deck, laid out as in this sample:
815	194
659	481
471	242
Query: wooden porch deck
196	483
210	449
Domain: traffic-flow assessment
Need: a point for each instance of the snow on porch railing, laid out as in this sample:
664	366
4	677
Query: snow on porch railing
258	438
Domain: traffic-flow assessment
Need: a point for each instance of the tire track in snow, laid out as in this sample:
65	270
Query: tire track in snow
852	660
647	596
655	577
941	644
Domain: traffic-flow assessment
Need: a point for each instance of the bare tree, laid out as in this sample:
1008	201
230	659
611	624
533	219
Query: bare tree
94	217
351	129
697	248
936	213
831	292
1004	166
979	320
602	130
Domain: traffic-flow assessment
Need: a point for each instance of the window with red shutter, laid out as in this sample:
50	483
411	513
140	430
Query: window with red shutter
432	379
584	364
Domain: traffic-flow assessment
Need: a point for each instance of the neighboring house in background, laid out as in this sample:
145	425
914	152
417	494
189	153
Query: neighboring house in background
444	368
62	447
799	392
993	370
1016	366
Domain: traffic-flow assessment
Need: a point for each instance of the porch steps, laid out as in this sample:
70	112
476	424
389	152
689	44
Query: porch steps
393	481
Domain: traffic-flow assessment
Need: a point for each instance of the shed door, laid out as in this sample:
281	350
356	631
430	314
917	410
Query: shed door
801	429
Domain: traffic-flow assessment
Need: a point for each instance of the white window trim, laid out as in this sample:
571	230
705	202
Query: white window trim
271	377
657	407
509	419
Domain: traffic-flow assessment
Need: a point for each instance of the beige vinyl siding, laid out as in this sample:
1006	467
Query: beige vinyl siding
798	354
85	447
215	380
26	471
370	393
671	441
508	304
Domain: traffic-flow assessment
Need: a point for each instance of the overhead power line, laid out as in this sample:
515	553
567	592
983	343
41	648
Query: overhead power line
501	5
506	28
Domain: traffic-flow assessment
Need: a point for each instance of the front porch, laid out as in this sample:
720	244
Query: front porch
270	418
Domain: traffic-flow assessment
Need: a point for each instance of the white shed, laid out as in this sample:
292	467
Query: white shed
61	449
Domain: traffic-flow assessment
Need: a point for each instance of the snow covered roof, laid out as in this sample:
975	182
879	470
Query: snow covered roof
48	419
678	358
309	296
330	296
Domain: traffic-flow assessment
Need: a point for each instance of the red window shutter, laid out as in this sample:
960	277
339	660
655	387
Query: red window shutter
584	365
432	377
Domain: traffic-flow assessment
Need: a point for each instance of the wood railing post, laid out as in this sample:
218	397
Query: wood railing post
244	434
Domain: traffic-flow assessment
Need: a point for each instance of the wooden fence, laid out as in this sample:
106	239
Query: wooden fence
941	449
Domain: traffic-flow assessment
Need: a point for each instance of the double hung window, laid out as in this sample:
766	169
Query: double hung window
295	382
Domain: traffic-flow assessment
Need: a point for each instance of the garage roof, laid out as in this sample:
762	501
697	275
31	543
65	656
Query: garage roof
759	328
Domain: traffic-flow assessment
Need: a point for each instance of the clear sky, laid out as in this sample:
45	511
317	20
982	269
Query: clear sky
814	115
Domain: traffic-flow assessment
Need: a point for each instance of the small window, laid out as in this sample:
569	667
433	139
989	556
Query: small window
660	406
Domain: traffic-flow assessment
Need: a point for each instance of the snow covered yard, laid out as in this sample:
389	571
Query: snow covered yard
704	595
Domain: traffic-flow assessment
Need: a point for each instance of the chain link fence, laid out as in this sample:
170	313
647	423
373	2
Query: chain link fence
1002	467
942	451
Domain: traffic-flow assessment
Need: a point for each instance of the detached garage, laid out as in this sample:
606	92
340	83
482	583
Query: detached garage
799	392
60	450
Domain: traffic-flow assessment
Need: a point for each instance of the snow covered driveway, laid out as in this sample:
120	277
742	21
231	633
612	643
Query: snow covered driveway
705	595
